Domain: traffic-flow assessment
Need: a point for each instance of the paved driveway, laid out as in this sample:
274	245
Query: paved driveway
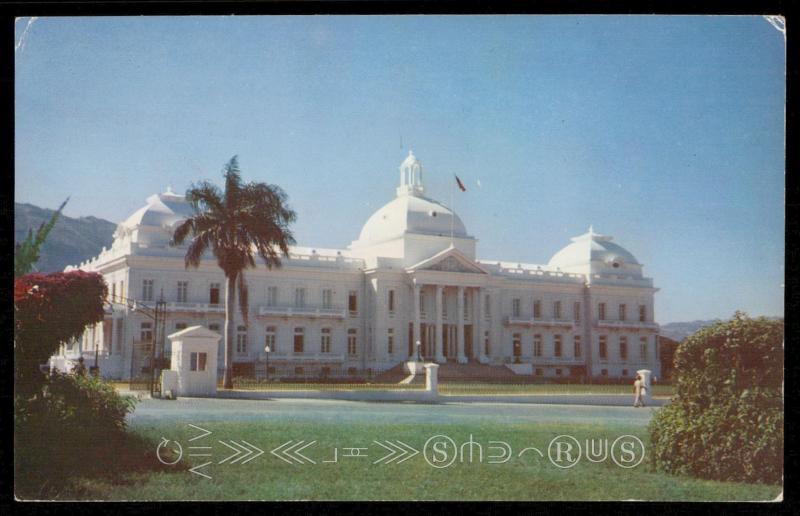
337	411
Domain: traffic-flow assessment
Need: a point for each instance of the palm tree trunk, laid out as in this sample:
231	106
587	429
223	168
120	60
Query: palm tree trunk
230	305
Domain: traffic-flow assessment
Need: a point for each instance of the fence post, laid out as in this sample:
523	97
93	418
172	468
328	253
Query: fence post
432	379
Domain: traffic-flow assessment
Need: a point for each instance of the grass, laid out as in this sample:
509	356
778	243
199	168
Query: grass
522	478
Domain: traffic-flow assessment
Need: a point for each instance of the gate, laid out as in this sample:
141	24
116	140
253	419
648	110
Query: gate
147	356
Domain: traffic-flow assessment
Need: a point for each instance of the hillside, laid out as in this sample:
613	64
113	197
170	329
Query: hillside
71	241
680	330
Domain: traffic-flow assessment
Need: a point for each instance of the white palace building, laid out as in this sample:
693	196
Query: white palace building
412	275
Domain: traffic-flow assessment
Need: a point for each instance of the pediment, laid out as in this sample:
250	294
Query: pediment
449	260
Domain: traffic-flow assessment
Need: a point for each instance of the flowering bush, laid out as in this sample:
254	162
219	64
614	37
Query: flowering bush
725	421
50	309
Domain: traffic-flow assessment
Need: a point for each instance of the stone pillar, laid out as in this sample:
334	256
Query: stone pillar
477	327
432	378
417	326
439	341
462	359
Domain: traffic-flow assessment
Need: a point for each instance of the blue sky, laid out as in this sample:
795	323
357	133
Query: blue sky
666	132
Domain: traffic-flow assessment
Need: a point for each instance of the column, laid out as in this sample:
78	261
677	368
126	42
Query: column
462	359
417	326
478	326
439	342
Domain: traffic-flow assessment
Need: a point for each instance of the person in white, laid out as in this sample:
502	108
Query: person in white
637	392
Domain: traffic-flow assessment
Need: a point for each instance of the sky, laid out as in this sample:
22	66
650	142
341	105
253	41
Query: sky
666	132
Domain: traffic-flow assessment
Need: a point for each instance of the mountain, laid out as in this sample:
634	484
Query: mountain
70	242
680	330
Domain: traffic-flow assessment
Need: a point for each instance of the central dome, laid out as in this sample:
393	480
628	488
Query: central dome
411	214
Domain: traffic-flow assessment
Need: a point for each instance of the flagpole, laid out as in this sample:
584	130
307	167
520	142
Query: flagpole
452	209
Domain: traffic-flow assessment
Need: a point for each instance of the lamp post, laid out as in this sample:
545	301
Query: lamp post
419	354
267	350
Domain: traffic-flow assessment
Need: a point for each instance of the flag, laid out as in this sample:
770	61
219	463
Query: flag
461	185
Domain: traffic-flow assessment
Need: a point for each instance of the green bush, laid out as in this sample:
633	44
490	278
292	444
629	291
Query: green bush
71	429
725	420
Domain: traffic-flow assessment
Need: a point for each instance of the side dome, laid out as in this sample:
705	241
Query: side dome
411	214
162	211
592	252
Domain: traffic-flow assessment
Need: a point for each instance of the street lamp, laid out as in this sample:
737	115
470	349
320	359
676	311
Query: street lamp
419	355
267	350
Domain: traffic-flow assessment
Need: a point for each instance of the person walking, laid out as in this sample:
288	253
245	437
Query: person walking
637	392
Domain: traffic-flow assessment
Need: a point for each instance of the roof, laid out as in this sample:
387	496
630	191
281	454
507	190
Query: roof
411	214
592	247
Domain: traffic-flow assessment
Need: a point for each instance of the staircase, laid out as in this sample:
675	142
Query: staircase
474	371
452	372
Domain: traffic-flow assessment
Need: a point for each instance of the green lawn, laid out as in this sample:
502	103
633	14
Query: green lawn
522	478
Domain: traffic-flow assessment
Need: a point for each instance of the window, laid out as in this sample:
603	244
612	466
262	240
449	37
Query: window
537	345
213	294
391	302
241	339
325	341
576	309
643	348
486	343
269	339
603	345
298	371
557	310
352	341
390	341
624	372
272	296
327	298
601	311
517	342
558	371
214	327
198	361
515	307
537	309
180	326
147	290
557	345
642	313
539	371
623	348
299	297
183	287
578	352
604	372
352	302
622	314
298	339
487	307
146	332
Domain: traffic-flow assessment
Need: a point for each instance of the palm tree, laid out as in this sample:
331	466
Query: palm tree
235	224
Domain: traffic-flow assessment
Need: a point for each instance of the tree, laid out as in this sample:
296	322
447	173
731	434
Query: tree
234	225
725	420
26	254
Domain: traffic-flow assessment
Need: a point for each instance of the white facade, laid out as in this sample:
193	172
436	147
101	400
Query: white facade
411	275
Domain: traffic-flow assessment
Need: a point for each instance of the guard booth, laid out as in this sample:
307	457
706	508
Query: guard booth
194	363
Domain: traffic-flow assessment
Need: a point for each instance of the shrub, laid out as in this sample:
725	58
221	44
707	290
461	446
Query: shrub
725	420
73	428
